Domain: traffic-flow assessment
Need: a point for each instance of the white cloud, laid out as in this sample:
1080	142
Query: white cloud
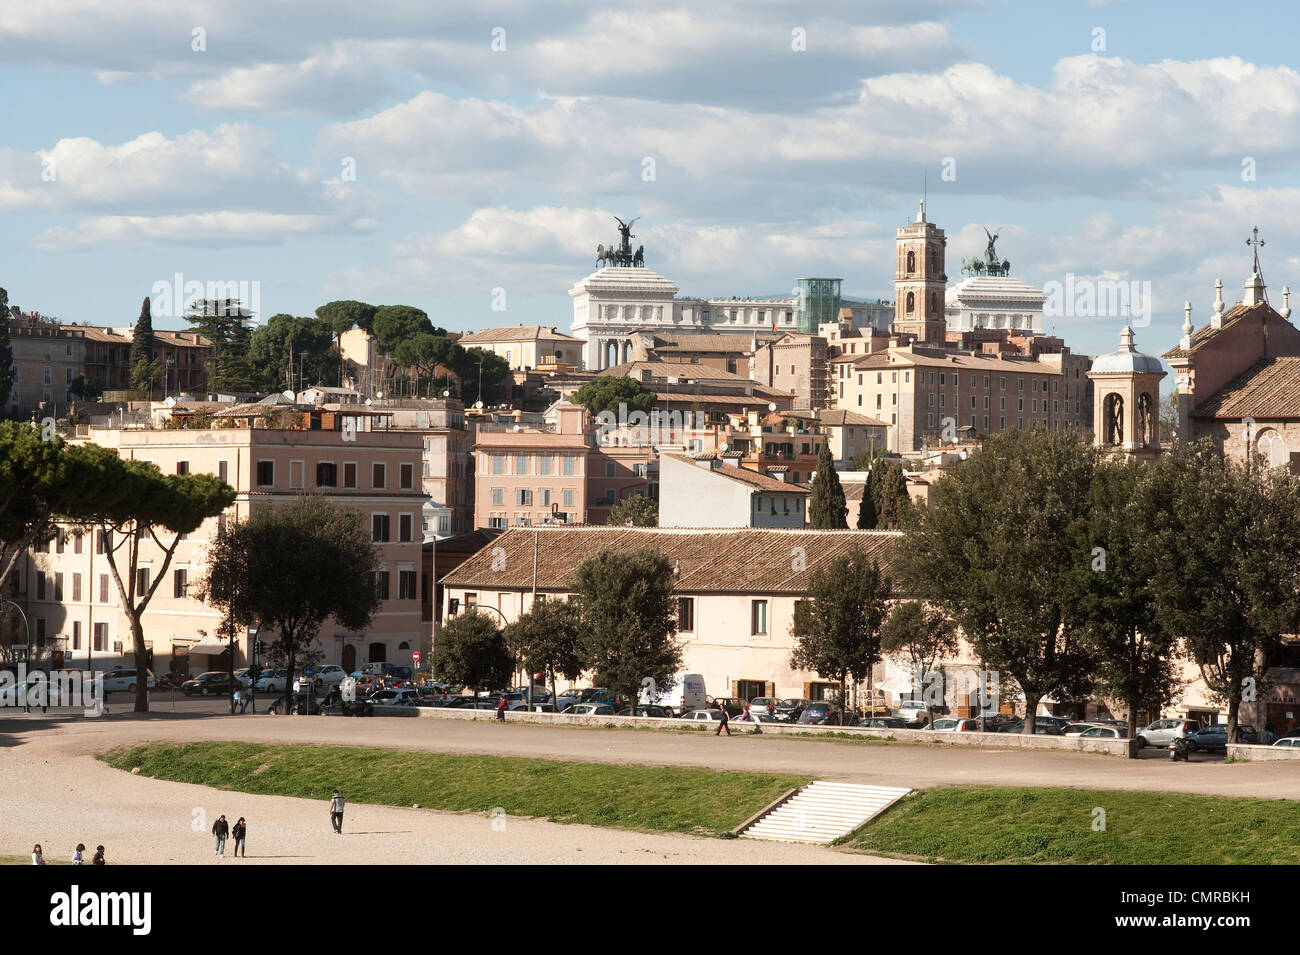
226	227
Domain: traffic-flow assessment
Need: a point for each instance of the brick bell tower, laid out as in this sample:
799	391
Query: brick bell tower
920	282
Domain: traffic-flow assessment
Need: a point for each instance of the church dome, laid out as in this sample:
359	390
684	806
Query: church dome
1127	359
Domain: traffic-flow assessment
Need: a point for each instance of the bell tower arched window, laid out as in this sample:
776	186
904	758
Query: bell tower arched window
911	263
911	300
1113	418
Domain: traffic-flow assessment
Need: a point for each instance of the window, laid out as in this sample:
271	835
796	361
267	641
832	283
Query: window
76	634
523	497
103	588
544	497
406	476
76	588
223	470
266	473
381	584
544	465
610	497
568	497
758	618
686	614
498	464
101	637
58	543
379	528
350	474
497	523
103	541
40	627
40	585
76	542
521	464
180	582
182	467
568	465
1002	383
498	497
406	585
141	581
327	474
378	476
404	522
609	469
1020	384
58	587
297	472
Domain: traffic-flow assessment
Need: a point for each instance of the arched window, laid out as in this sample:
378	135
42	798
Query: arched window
1274	448
911	261
1113	419
911	301
1145	420
403	645
934	304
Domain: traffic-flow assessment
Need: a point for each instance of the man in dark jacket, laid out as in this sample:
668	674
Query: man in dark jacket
221	829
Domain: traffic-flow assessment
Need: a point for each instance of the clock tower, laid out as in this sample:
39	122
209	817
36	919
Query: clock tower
920	282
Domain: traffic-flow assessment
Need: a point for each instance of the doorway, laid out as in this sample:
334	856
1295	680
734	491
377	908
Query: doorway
378	653
349	658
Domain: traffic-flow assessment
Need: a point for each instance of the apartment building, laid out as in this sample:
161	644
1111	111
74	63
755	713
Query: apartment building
795	365
710	490
446	471
527	476
929	396
46	360
70	599
528	346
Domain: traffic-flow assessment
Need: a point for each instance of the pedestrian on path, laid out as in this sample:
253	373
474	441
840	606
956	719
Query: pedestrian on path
38	857
336	811
78	857
98	858
501	709
722	723
221	829
240	832
235	699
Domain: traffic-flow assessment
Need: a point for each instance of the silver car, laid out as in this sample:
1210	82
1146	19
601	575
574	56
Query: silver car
1162	732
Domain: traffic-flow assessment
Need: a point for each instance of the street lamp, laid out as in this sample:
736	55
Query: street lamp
27	646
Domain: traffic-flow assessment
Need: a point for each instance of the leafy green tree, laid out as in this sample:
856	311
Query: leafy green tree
638	511
827	509
141	503
142	336
867	516
607	392
494	370
891	498
1221	559
331	573
6	354
225	324
470	652
345	315
1136	656
629	619
395	324
308	341
85	389
923	635
144	377
837	628
424	353
996	553
548	640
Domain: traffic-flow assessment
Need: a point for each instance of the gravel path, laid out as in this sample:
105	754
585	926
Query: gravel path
56	793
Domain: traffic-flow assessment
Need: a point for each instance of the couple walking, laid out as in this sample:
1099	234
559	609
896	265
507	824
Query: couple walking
221	829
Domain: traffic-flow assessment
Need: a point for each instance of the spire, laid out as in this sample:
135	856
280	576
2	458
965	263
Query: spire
1126	339
1216	320
920	211
1188	328
1286	302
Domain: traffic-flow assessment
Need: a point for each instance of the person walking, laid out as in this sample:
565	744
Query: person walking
235	699
240	832
221	829
722	723
38	857
98	858
501	709
243	700
336	811
78	857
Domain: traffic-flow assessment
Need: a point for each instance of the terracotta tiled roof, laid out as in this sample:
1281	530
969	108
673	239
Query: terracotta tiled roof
734	472
957	361
673	369
517	333
725	560
1269	390
736	343
838	417
1206	332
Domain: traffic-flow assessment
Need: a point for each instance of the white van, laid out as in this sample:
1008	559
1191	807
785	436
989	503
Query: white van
683	694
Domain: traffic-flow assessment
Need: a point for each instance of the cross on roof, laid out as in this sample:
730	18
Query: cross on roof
1256	243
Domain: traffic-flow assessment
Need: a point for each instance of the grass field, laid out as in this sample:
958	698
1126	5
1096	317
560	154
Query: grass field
658	799
996	825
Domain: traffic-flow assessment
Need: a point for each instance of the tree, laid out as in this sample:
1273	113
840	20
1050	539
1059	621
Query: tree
638	511
1221	559
608	392
922	634
493	370
6	354
345	315
424	353
307	342
293	567
628	616
394	324
837	628
827	509
892	501
85	389
1135	654
142	337
867	516
225	325
138	503
548	640
144	376
471	652
996	553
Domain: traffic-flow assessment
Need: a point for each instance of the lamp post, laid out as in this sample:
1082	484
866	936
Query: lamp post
27	645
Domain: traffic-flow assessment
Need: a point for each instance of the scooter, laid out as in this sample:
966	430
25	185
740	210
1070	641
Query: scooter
1180	748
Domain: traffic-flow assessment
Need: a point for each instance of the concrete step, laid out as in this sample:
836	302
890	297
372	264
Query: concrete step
823	811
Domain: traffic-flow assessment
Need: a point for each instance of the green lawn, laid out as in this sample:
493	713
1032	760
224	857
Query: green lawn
1015	825
659	799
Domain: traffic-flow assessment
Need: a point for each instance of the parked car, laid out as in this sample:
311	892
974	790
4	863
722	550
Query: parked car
656	711
764	704
535	708
949	724
124	680
1105	732
1163	731
1288	741
243	678
1247	734
823	714
789	711
1041	727
703	716
271	681
590	709
914	713
330	675
993	722
1210	739
403	697
214	682
1076	729
883	723
683	693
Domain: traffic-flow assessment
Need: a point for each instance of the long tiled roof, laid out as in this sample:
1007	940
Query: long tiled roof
1269	390
759	482
724	560
516	333
1206	332
838	417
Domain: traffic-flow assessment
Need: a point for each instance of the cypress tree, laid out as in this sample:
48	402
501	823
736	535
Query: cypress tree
827	510
142	340
867	516
894	500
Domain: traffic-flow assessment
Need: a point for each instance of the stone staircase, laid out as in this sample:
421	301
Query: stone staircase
821	812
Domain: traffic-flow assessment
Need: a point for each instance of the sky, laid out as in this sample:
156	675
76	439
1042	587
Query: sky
467	158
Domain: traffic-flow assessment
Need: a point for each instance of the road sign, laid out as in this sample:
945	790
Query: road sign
309	672
415	655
